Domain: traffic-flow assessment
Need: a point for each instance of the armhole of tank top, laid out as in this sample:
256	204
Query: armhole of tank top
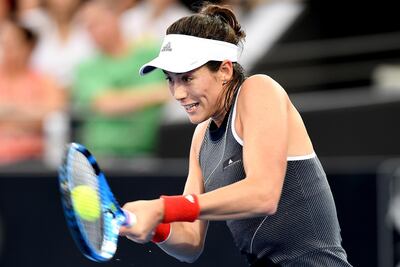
233	126
240	141
202	142
304	157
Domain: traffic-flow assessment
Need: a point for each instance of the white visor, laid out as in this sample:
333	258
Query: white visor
182	53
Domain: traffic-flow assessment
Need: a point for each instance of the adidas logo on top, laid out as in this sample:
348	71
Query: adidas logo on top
167	47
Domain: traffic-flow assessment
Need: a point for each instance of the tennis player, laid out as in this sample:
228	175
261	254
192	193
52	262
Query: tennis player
251	160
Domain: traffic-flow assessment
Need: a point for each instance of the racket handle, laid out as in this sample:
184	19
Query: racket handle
130	218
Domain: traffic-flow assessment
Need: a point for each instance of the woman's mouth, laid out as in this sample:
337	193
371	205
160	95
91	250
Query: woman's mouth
191	107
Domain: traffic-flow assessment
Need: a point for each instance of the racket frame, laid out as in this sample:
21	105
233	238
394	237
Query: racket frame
112	214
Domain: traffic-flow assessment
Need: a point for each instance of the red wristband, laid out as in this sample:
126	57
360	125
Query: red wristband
161	233
181	208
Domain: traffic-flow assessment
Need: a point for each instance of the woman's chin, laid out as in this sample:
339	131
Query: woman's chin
196	119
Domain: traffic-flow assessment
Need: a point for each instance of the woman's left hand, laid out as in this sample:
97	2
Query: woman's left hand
149	214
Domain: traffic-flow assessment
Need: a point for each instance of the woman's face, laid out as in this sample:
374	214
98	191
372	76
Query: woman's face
198	92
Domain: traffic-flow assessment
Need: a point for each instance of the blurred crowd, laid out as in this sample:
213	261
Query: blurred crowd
69	71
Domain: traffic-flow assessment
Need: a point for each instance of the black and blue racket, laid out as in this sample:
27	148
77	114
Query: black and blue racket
92	213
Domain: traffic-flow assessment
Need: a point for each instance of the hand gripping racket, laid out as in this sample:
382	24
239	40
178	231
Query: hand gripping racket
91	211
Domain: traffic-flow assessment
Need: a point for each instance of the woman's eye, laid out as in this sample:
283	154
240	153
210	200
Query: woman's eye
187	79
169	80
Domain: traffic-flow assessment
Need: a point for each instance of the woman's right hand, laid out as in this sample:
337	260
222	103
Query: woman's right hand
149	213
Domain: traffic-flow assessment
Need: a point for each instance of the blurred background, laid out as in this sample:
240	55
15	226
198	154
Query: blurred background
69	72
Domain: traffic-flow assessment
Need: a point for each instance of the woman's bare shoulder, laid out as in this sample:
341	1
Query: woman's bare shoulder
261	87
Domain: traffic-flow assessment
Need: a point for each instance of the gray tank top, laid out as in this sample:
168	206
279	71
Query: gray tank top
304	231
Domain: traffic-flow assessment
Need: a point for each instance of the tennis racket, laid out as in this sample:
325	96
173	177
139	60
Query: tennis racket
91	211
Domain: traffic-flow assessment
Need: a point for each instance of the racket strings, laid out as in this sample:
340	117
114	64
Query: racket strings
82	173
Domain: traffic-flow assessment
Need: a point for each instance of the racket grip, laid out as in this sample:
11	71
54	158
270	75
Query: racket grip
130	218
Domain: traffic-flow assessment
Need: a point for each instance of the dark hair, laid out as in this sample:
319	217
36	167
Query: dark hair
218	23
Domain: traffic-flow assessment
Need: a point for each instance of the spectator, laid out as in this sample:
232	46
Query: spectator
120	112
63	42
26	97
150	18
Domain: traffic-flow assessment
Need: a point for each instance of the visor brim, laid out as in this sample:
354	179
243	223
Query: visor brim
170	65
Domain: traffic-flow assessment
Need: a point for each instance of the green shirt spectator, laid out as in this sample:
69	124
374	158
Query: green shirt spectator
119	112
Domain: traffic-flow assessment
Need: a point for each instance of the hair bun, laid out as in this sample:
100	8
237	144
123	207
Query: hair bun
226	15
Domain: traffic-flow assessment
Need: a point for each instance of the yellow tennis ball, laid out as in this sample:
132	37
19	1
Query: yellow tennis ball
86	202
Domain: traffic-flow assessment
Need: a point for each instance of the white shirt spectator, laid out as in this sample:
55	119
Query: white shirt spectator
140	22
54	55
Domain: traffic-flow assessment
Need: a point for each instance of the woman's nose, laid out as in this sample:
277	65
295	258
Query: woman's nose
180	92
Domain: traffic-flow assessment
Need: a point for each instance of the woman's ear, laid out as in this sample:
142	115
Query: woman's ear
226	70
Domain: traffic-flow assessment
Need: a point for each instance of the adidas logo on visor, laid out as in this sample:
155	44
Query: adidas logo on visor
167	47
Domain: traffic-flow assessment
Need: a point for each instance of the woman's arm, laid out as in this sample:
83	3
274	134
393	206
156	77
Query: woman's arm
186	239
